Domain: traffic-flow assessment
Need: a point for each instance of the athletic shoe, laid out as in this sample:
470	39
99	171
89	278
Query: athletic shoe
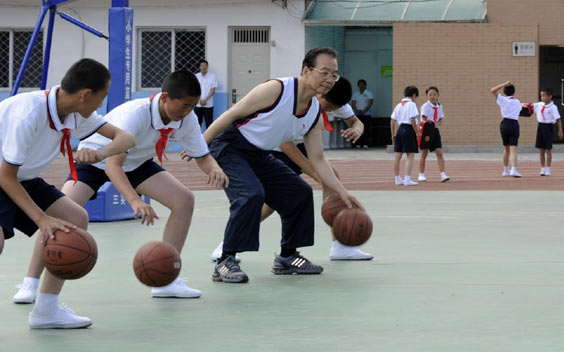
515	174
409	183
218	251
365	146
61	318
296	264
445	178
542	172
547	172
177	289
229	271
399	181
505	173
341	252
25	294
422	178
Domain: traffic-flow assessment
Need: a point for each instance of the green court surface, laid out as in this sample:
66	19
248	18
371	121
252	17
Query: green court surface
453	271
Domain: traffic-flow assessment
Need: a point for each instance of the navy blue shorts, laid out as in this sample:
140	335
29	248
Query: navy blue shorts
11	216
545	136
286	160
406	140
95	178
436	141
509	130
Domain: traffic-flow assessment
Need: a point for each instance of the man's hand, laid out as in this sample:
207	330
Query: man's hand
217	178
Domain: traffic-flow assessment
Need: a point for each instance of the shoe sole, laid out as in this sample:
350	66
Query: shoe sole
169	296
446	179
217	278
57	326
351	259
293	272
23	302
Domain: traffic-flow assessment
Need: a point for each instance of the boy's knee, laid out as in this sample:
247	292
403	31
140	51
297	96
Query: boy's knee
185	200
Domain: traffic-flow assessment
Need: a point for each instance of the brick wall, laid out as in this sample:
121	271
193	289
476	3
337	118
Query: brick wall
465	61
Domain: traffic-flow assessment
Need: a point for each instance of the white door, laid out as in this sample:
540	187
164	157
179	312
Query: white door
250	60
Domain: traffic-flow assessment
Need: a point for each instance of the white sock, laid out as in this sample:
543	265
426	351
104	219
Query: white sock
443	174
543	170
513	169
506	168
421	174
45	303
547	169
31	281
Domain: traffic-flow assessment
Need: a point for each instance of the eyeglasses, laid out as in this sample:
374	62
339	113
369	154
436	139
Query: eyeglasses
334	76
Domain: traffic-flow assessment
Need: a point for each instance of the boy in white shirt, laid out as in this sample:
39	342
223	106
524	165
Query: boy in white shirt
509	127
153	121
34	127
547	116
432	112
404	134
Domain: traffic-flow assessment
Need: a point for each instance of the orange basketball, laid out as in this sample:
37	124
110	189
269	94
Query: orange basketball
352	227
71	255
332	205
157	264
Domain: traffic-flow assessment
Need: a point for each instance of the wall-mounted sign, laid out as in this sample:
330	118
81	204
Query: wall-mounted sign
524	49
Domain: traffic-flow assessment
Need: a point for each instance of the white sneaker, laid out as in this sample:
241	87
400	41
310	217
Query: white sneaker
547	172
61	318
445	178
409	183
515	173
365	146
25	294
399	182
177	289
218	251
505	173
542	172
341	252
422	178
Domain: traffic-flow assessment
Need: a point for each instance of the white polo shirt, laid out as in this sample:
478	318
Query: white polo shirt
345	112
428	110
362	99
550	113
405	111
280	122
26	138
207	82
141	117
509	106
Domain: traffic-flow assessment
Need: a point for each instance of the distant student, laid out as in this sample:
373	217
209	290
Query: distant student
404	134
509	127
547	115
432	112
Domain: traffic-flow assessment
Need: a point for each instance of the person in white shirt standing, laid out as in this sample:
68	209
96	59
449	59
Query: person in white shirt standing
208	84
404	134
509	127
432	112
34	127
547	116
361	103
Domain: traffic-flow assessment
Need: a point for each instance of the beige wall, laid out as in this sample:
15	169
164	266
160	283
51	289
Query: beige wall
548	14
465	61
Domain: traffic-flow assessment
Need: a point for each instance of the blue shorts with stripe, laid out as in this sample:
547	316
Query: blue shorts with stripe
11	216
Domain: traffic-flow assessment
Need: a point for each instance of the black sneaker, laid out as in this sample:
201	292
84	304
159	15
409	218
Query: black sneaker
229	271
296	264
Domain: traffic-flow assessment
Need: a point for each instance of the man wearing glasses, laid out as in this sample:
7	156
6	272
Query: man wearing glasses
274	112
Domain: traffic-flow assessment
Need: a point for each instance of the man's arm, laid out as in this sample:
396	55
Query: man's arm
205	100
290	149
355	130
121	142
259	98
114	170
370	101
47	224
314	147
216	177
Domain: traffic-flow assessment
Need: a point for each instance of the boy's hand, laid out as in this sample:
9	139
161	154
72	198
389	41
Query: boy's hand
184	155
88	156
143	211
351	134
48	225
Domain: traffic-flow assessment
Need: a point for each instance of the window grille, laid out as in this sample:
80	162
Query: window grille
13	45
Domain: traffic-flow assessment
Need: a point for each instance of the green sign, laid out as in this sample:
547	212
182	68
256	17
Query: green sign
387	71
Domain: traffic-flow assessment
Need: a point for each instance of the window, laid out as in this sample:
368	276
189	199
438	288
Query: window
13	45
162	51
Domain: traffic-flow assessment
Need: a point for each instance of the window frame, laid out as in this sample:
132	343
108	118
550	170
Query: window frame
11	64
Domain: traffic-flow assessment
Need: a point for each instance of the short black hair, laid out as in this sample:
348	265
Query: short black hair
181	84
509	90
361	81
410	90
310	58
548	91
203	61
341	92
432	88
86	74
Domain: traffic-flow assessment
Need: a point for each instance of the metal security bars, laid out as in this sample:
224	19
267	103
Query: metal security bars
251	35
13	44
162	51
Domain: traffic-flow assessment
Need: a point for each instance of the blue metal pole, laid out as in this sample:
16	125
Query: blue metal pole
82	25
30	46
47	54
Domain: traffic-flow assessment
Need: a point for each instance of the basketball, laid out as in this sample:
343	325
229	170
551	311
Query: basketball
71	255
331	207
157	264
352	227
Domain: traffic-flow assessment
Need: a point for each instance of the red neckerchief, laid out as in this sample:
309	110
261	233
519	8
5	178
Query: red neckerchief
64	142
160	147
326	122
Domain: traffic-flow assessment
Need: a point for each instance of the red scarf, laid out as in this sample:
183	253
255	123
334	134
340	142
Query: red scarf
326	122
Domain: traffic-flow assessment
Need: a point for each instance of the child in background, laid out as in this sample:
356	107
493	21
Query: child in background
547	115
405	135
